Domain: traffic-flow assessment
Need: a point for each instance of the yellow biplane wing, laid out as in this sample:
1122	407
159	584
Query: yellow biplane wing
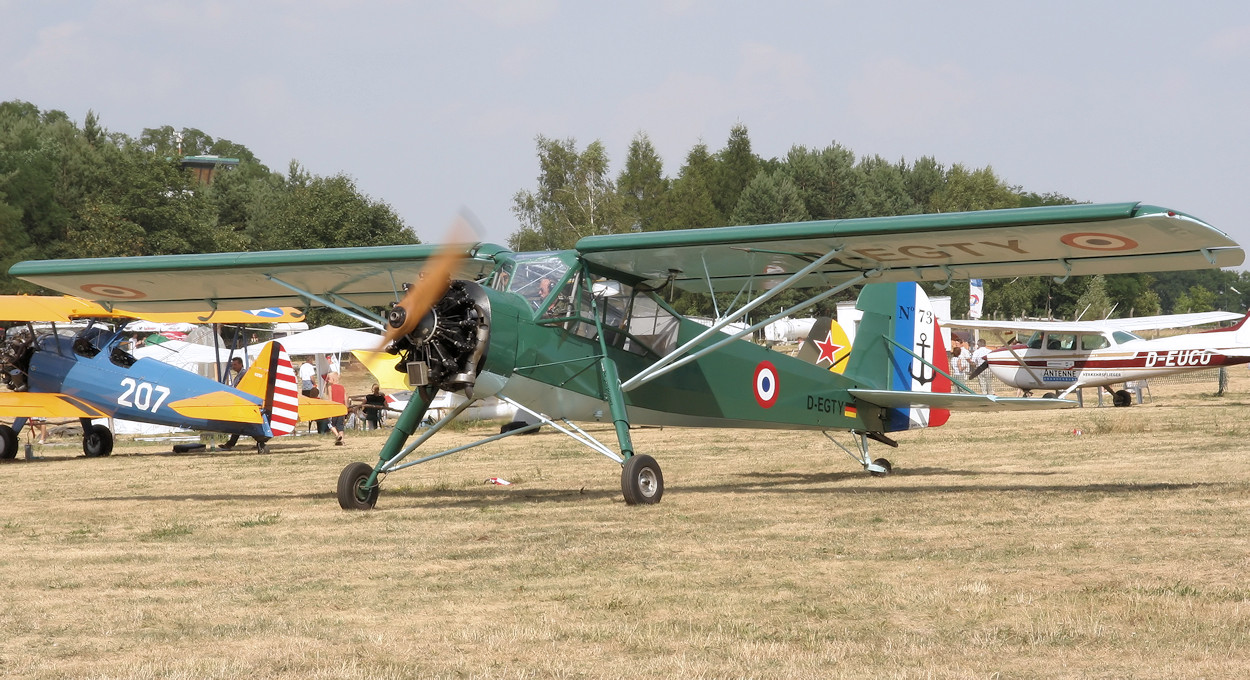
65	308
45	405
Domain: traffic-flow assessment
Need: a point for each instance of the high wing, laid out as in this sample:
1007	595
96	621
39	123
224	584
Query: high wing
371	276
1054	240
1132	324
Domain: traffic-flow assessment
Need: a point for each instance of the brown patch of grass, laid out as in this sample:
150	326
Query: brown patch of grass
1004	544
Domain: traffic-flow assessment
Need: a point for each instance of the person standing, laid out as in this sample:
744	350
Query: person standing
337	393
234	374
308	379
374	406
980	357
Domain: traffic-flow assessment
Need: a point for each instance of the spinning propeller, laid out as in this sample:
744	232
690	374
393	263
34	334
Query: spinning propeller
431	283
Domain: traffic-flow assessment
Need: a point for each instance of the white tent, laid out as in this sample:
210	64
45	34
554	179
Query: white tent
327	340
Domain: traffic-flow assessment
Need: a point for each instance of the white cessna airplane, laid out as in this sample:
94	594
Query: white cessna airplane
1062	356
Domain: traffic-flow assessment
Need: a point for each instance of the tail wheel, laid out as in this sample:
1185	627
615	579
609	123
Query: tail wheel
353	494
8	443
97	441
642	483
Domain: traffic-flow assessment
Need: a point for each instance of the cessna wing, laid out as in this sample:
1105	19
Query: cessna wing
1141	323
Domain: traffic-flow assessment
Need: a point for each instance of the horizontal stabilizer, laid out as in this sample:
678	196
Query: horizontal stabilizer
899	399
221	405
45	405
317	409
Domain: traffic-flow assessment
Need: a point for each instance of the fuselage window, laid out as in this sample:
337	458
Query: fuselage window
1092	342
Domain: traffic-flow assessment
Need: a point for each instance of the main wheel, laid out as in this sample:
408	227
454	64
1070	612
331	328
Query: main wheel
1049	395
641	481
1122	398
352	492
8	442
884	464
97	441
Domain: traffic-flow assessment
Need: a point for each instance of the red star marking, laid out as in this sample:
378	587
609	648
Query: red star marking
827	349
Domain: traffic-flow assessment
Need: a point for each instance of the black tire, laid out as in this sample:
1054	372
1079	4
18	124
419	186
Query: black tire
352	495
97	441
1050	395
516	425
1122	398
642	483
8	443
881	462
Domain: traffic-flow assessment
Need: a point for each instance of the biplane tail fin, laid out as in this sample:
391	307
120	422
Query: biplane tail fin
272	378
826	345
897	347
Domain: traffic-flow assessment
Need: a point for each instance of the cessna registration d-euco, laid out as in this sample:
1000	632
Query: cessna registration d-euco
1062	356
585	334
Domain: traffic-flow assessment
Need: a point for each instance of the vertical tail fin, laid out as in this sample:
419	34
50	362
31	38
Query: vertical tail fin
826	345
902	313
272	378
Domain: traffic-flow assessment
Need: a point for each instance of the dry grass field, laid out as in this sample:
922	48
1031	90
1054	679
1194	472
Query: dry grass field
1003	546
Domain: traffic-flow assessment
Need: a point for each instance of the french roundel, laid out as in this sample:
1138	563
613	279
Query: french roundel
1095	241
267	313
766	384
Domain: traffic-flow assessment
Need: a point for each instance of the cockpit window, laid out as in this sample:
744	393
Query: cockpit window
535	276
632	320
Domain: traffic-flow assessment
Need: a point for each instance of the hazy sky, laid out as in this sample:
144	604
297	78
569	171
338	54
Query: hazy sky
433	106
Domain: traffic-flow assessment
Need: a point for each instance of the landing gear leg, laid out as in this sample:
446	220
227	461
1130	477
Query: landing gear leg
879	467
359	483
642	483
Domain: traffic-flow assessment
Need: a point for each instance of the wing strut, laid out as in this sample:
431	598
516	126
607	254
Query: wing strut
336	307
721	323
658	368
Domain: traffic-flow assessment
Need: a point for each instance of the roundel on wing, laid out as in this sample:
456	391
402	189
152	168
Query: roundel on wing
1094	241
267	313
766	387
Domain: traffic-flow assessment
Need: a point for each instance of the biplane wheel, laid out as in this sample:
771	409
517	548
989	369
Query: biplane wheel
97	441
1122	398
881	463
8	442
1049	395
352	494
642	483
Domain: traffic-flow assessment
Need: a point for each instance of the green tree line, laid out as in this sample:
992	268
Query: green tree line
83	191
577	195
70	190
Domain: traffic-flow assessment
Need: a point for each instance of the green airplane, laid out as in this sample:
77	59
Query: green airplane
585	335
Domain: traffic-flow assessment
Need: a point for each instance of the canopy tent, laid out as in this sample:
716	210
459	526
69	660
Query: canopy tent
326	340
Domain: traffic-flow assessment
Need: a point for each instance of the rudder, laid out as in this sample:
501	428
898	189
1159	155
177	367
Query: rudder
272	378
902	313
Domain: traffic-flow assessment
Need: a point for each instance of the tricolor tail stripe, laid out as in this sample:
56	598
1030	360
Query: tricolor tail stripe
282	403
